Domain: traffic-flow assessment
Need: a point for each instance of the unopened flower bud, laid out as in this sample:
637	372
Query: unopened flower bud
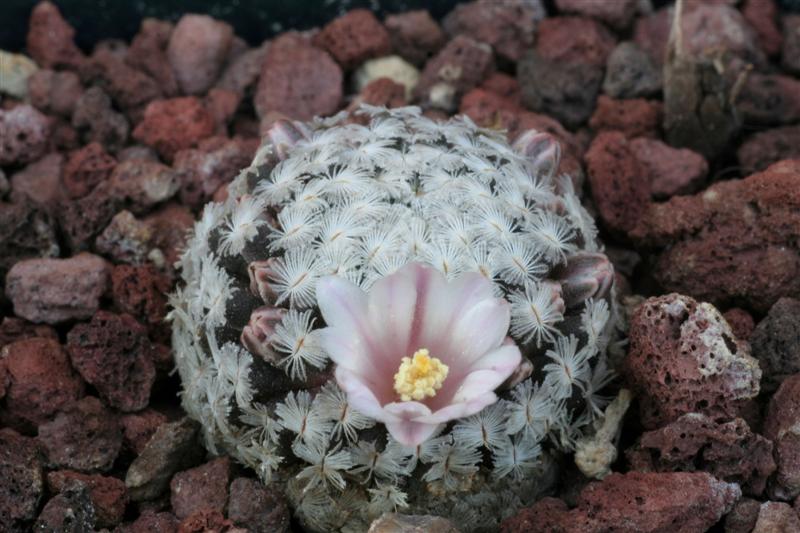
257	334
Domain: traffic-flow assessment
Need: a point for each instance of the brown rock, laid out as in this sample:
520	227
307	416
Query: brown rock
140	291
404	523
782	427
790	55
172	447
95	120
709	28
415	36
139	427
129	87
241	74
776	517
25	231
742	324
353	38
170	225
107	494
215	162
574	40
671	171
24	133
143	184
729	451
197	50
684	358
742	519
205	520
618	15
114	354
39	183
258	508
734	244
634	117
620	190
83	218
13	329
21	480
71	511
85	168
635	502
651	33
764	148
40	382
458	67
508	27
50	39
631	73
85	436
776	343
222	104
148	53
57	290
762	15
201	488
381	92
151	522
55	92
769	99
173	125
298	80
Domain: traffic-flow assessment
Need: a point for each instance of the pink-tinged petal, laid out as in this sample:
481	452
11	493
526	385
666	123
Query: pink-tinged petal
477	384
479	329
342	304
390	307
410	426
462	409
346	350
359	395
503	360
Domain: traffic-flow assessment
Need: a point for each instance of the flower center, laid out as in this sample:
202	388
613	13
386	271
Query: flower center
419	376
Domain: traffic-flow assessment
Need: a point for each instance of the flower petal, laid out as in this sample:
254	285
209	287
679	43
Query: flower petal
390	309
359	394
345	349
462	409
503	360
410	425
479	329
343	305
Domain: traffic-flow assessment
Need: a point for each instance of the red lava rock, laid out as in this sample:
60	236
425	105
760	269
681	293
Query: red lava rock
736	243
769	99
381	92
671	170
241	75
258	508
636	501
139	427
40	382
126	239
137	152
148	53
201	488
143	184
24	133
619	187
83	218
85	168
39	182
415	36
14	329
107	494
458	67
151	522
709	28
767	147
215	162
197	50
21	479
50	39
55	92
353	38
776	517
782	427
742	519
651	33
631	73
618	15
204	520
170	225
762	15
776	342
574	40
507	27
140	291
634	117
503	85
85	436
113	353
684	358
742	324
127	86
298	80
174	124
71	511
729	451
96	121
790	55
222	103
57	290
25	231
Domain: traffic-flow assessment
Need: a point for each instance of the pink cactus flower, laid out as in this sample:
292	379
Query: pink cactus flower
417	351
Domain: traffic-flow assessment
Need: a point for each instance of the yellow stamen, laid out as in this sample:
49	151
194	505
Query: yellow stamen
419	376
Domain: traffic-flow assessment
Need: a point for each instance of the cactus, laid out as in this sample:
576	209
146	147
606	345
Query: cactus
356	199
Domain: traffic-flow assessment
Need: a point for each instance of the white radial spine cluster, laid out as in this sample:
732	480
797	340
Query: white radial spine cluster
361	201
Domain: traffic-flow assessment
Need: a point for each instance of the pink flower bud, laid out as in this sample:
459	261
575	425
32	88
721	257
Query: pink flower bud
257	334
